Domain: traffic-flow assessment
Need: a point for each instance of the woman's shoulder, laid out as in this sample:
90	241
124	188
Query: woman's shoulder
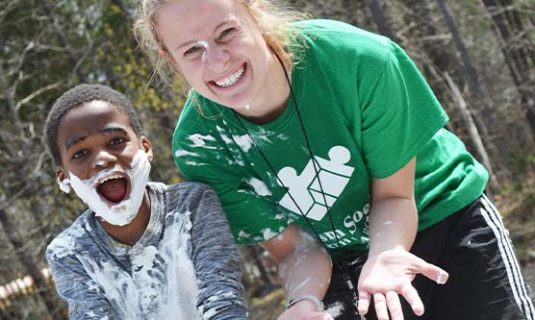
341	39
326	29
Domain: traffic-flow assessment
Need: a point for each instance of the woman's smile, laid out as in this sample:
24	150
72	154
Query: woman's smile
232	79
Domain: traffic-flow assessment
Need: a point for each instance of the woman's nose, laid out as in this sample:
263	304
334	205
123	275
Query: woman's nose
215	57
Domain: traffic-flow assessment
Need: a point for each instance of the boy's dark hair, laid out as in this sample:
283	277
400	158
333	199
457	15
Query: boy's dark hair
78	96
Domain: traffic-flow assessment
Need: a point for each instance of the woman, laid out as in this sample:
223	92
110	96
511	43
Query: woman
318	132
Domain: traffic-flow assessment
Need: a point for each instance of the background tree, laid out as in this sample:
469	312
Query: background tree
48	46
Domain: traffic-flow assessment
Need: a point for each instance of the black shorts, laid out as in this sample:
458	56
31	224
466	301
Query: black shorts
474	247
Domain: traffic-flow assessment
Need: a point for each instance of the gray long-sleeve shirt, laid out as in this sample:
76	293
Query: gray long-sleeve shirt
185	265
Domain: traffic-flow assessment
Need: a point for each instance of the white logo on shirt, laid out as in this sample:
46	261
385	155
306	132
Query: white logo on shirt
305	195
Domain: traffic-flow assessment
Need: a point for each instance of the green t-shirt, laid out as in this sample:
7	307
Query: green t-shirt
366	110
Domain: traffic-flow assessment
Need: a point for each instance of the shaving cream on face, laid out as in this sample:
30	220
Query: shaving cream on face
124	212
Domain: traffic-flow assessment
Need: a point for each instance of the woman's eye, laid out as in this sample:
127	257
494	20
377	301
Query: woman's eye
78	154
193	52
226	35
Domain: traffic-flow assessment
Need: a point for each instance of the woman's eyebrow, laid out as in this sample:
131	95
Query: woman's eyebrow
225	21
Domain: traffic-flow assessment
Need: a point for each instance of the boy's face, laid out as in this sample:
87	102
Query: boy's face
97	146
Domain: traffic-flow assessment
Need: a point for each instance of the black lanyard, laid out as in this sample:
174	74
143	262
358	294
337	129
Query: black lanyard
345	269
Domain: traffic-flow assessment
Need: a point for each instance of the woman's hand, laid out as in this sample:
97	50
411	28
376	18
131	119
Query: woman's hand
304	310
389	274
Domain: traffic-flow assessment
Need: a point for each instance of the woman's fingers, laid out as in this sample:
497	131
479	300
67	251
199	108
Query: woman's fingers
431	271
381	310
394	305
411	295
364	302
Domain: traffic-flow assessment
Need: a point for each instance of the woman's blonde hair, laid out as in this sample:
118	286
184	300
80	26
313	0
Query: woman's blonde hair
273	18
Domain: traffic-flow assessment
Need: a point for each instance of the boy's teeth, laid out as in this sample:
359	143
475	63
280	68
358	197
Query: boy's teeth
230	80
109	178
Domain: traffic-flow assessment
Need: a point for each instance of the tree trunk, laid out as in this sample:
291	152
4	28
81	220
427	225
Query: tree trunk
473	133
517	52
43	289
62	39
423	32
486	112
381	20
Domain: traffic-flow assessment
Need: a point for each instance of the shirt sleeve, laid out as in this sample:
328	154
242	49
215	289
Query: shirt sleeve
400	113
217	262
85	301
202	157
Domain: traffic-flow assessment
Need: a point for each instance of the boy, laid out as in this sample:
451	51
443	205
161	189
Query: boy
143	250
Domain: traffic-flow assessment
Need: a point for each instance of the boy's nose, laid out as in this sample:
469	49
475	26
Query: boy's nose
103	159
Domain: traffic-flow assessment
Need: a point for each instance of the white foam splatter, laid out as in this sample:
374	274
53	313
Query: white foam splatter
195	163
162	283
268	234
199	140
182	153
259	187
336	309
243	234
244	142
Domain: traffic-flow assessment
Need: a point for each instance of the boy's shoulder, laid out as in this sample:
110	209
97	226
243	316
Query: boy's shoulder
184	196
189	186
77	235
182	188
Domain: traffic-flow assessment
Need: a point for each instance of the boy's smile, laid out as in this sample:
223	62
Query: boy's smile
104	160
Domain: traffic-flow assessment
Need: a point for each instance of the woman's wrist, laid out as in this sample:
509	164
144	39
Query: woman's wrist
307	301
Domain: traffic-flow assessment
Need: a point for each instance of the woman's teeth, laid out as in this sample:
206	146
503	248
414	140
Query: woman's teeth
232	79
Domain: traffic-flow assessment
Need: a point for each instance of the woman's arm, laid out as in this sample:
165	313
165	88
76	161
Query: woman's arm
305	270
390	267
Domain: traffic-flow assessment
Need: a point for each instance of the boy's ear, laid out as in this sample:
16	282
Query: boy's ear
60	174
147	147
63	181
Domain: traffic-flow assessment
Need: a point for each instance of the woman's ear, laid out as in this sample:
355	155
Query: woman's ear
167	57
147	147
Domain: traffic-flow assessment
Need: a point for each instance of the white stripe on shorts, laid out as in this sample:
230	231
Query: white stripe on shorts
507	253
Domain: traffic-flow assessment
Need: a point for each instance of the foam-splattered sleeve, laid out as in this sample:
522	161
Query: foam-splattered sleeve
217	262
73	284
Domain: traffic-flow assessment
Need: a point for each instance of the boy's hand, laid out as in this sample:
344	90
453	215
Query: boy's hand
389	274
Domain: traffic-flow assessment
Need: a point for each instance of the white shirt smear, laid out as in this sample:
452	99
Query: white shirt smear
268	234
259	187
156	278
162	284
336	309
244	142
199	140
182	153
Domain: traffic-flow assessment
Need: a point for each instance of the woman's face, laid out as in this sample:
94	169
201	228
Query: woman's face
219	49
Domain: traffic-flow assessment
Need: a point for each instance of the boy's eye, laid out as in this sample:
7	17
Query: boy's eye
226	35
79	154
116	141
